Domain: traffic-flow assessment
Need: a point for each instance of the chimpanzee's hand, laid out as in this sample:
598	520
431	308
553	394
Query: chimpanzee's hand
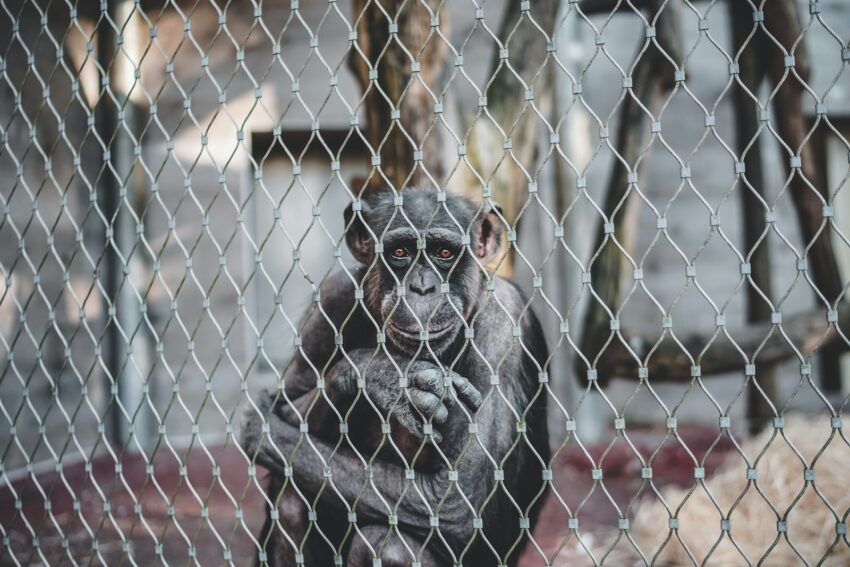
428	397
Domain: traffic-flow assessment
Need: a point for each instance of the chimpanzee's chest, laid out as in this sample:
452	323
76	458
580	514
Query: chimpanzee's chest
398	446
369	435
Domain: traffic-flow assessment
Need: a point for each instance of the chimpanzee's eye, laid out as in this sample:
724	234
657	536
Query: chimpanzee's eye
400	253
445	254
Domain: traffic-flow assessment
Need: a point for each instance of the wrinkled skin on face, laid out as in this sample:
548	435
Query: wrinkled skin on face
424	244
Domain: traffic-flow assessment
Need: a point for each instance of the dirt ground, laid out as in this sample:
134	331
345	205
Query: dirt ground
212	513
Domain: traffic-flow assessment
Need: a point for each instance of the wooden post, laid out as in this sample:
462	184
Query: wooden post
782	20
129	347
383	63
761	389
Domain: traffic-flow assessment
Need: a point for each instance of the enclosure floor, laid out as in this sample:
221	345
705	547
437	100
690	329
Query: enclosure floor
218	527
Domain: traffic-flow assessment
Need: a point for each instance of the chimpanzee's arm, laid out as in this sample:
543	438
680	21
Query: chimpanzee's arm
341	367
374	495
318	352
389	491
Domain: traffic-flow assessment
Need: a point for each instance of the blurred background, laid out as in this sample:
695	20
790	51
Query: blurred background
174	179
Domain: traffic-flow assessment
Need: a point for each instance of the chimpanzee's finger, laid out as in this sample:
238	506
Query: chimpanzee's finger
433	380
265	401
429	379
406	418
466	392
429	405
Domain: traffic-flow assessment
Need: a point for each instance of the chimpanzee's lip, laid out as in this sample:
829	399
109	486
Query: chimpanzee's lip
415	333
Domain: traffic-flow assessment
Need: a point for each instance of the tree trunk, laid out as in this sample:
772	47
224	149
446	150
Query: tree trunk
503	140
396	61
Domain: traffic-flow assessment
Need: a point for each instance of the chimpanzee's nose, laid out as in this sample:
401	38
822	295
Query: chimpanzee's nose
423	283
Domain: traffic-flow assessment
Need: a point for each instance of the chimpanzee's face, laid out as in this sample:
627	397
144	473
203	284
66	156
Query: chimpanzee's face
414	298
425	277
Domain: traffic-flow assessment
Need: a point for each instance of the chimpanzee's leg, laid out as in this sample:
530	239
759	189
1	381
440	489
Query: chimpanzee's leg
391	550
293	522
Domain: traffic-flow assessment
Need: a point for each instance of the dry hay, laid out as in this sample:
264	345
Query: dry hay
811	525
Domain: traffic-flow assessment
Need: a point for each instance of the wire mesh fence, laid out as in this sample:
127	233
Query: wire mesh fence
255	300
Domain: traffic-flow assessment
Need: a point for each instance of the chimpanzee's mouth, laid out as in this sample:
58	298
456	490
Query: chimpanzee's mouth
414	333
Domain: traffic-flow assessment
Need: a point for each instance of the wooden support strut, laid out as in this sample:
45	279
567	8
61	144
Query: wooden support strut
782	20
652	77
765	343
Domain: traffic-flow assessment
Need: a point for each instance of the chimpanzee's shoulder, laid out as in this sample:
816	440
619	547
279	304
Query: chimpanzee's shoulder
343	281
510	295
337	291
516	302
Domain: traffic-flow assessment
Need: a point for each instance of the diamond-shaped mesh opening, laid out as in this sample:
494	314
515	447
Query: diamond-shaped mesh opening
415	282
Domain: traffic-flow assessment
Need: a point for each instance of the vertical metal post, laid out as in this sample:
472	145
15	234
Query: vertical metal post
128	345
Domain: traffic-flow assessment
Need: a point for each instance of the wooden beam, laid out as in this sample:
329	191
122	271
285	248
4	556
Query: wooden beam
605	7
809	332
601	7
782	20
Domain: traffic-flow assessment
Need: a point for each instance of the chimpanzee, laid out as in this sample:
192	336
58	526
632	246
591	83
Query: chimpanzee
411	424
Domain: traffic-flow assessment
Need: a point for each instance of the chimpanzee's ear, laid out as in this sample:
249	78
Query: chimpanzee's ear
357	236
489	237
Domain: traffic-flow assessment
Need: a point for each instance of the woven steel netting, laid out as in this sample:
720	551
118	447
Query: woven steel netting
671	176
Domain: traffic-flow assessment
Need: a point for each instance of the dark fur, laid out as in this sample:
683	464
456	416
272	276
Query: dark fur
449	410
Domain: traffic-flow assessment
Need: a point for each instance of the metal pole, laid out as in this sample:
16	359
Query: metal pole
128	347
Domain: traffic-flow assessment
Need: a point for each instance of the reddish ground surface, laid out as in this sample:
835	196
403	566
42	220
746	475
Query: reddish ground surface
206	520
